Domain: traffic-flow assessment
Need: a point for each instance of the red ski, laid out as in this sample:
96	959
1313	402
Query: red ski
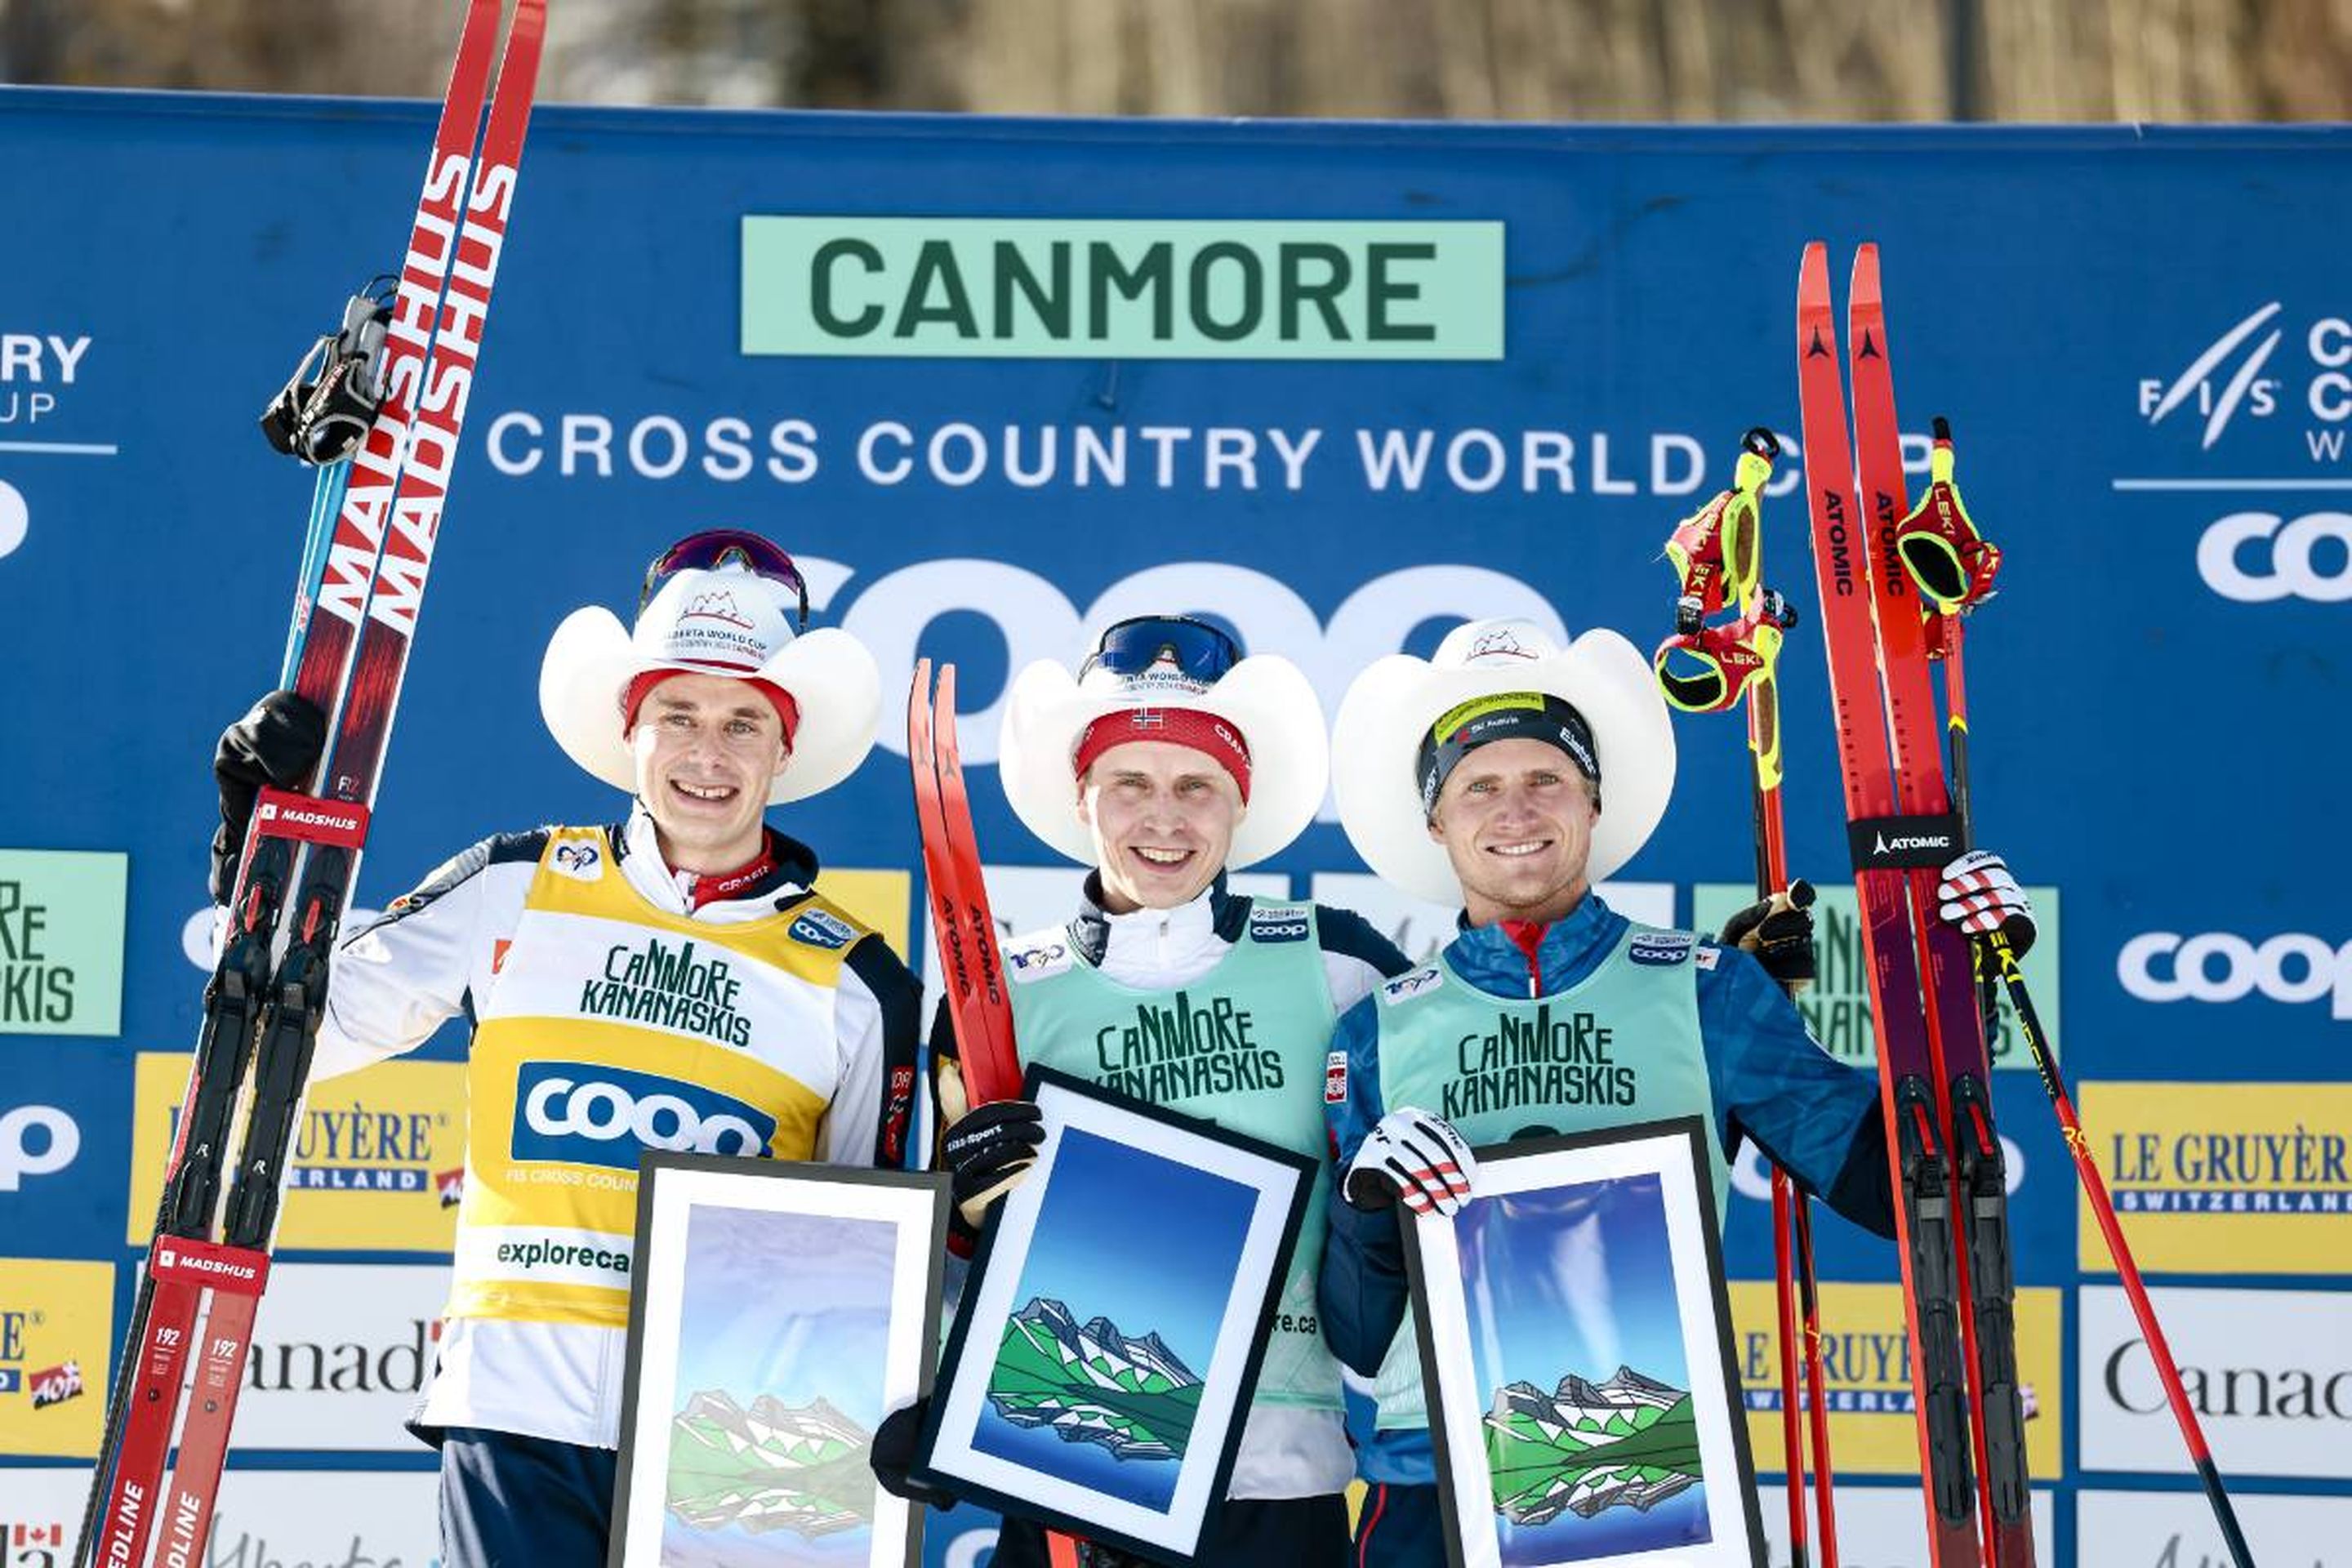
1910	1075
1956	1029
263	1014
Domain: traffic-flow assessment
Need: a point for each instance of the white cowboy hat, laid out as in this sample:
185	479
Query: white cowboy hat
728	622
1390	708
1267	698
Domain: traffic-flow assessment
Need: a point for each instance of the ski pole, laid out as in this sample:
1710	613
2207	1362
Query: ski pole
1718	553
1997	958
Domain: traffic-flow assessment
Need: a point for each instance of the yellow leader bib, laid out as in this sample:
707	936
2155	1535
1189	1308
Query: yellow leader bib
612	1028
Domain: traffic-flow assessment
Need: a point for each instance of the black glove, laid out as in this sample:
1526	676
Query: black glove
986	1152
897	1443
276	744
1780	932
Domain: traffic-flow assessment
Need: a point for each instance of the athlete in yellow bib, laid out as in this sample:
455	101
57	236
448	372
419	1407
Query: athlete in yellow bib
670	982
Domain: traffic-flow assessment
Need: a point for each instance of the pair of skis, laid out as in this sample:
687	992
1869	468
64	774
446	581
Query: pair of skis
355	616
963	921
1717	554
1887	623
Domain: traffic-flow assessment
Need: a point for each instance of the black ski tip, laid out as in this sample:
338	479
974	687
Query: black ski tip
1869	347
1818	348
1943	428
1761	442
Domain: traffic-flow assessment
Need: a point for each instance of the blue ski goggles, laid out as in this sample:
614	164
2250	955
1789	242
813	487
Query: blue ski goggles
1140	643
720	549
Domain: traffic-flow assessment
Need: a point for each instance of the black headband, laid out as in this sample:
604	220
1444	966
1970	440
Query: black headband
1503	716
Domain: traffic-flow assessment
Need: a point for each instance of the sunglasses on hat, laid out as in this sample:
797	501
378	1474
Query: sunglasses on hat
724	548
1140	643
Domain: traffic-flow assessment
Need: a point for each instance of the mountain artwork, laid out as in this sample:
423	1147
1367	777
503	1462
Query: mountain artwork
1135	1398
1586	1447
774	1466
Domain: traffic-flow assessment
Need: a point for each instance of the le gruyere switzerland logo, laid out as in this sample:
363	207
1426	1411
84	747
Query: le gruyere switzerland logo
995	288
376	1155
2223	1178
57	1322
1866	1370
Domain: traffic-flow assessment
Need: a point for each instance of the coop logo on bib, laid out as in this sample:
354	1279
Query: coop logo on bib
1659	950
581	1114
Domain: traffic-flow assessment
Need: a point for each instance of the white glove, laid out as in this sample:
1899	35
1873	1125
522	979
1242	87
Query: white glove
1415	1158
1979	896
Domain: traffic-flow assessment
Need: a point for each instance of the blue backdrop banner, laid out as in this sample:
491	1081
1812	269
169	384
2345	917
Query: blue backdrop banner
997	382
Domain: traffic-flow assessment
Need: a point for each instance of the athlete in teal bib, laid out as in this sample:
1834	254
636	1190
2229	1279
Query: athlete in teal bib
1169	760
1475	779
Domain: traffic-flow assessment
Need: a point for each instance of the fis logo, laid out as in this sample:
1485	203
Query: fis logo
2244	386
1412	984
575	1113
581	861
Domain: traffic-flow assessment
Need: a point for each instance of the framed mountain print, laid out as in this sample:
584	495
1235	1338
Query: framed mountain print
1100	1368
1576	1351
780	1312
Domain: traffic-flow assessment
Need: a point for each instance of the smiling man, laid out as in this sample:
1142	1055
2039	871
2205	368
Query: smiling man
1167	760
1505	775
670	981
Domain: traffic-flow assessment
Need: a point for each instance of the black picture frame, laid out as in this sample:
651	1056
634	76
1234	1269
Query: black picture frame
947	1457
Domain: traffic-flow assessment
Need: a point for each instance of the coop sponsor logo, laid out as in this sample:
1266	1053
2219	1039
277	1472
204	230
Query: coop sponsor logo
583	1114
2271	364
1836	1008
369	1158
2269	1374
1886	1527
2229	1178
1866	1367
36	1141
544	1256
2256	557
2293	968
265	1519
57	1324
1031	288
2177	1529
62	922
340	1353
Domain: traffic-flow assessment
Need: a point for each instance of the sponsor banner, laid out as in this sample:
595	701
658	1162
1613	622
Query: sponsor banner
545	1254
1002	287
2292	968
2269	1374
582	1114
1421	927
340	1353
2256	557
56	1340
376	1164
2176	1530
1837	1006
1865	1356
36	1141
878	900
265	1519
1880	1527
2222	1178
61	917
